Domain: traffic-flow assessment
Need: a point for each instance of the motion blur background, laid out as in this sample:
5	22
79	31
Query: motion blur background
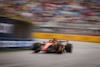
24	22
65	19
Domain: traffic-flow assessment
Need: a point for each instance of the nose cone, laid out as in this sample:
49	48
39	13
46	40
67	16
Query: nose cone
44	48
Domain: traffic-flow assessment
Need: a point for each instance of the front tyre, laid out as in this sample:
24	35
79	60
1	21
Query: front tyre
36	47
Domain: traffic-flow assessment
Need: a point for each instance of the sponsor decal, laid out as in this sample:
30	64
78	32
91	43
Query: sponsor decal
6	28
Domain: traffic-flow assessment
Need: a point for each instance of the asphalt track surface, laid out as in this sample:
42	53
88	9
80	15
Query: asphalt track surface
85	54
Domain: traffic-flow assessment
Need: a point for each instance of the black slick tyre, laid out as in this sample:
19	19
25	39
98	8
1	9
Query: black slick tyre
68	48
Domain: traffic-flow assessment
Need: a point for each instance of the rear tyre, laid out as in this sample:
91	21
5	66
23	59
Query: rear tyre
68	48
36	47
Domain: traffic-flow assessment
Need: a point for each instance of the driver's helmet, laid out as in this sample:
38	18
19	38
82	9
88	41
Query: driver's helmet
54	39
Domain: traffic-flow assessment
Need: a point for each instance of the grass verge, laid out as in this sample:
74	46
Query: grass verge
14	49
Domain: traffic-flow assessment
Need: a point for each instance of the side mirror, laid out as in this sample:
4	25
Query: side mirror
44	43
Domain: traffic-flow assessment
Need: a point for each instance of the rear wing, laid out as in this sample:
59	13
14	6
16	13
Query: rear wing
60	41
63	41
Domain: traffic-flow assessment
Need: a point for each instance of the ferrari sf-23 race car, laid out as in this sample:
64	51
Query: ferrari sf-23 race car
52	46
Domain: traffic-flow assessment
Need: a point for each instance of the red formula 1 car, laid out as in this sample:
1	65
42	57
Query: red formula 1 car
52	46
